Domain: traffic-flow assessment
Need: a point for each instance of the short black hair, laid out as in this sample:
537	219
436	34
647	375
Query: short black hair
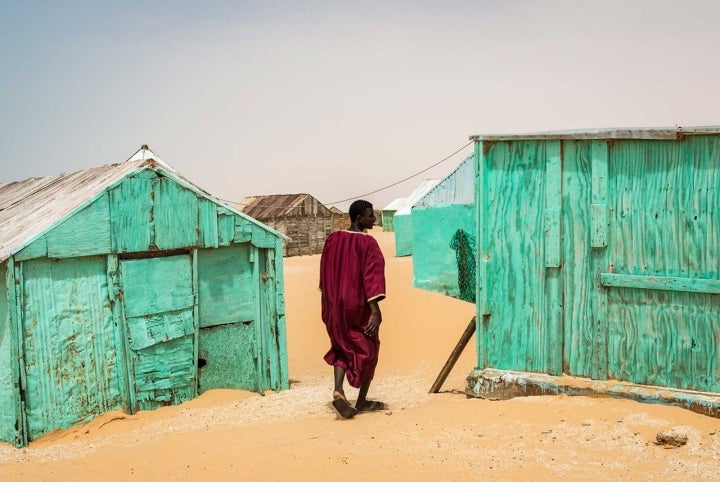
357	208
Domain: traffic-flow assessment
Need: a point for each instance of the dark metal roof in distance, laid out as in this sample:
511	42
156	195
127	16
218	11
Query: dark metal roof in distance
276	205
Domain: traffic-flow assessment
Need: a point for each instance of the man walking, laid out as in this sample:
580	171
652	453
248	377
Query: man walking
352	282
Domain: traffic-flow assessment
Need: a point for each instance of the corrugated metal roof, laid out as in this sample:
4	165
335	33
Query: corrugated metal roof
458	187
668	133
31	207
413	198
276	205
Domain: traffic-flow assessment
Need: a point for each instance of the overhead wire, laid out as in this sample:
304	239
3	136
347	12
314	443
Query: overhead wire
371	192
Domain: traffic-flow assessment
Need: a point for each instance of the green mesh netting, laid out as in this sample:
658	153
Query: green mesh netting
464	246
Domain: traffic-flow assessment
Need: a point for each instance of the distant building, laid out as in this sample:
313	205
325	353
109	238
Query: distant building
301	217
128	287
388	212
402	220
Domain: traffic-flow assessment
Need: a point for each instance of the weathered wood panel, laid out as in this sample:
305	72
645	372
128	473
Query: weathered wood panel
226	353
131	215
225	285
158	302
208	224
665	225
638	265
175	212
516	274
308	234
68	339
577	279
9	375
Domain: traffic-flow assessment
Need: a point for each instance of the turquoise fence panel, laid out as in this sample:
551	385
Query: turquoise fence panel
435	262
68	343
402	225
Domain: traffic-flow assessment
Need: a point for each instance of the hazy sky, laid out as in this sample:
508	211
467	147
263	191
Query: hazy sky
336	98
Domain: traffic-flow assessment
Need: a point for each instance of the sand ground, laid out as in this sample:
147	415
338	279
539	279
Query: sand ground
296	435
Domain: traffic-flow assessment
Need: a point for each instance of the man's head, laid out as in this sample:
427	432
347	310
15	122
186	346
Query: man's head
362	215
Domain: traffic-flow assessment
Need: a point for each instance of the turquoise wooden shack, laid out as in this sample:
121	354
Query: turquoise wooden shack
402	220
388	212
443	230
128	287
598	255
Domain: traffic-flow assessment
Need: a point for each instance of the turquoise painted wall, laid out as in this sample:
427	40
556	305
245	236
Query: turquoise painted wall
70	359
403	227
599	258
434	261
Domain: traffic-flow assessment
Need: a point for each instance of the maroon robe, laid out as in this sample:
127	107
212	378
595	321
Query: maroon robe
352	273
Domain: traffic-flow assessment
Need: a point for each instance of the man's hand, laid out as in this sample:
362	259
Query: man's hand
374	321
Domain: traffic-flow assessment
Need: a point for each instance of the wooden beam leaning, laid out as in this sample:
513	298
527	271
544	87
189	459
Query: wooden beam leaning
454	355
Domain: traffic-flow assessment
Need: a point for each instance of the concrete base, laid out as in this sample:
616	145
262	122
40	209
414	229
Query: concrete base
494	384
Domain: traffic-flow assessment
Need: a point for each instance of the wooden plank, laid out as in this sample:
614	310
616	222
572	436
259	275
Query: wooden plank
553	201
121	347
553	236
175	213
481	285
84	233
669	283
208	223
13	278
577	273
598	220
281	328
196	319
225	285
131	214
259	344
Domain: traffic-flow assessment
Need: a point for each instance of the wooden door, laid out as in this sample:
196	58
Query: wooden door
158	298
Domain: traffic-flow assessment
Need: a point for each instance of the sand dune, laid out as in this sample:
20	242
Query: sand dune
296	435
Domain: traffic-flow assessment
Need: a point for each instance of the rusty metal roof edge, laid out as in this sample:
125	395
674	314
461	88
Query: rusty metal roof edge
648	133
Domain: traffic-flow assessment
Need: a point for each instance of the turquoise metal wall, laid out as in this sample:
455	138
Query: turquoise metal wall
599	258
435	265
114	306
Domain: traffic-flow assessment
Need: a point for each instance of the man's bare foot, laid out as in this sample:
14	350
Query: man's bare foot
369	406
343	406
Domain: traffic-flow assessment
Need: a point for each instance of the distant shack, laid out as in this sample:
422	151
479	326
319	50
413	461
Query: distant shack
301	217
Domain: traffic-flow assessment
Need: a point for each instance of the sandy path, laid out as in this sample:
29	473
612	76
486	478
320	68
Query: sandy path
296	435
